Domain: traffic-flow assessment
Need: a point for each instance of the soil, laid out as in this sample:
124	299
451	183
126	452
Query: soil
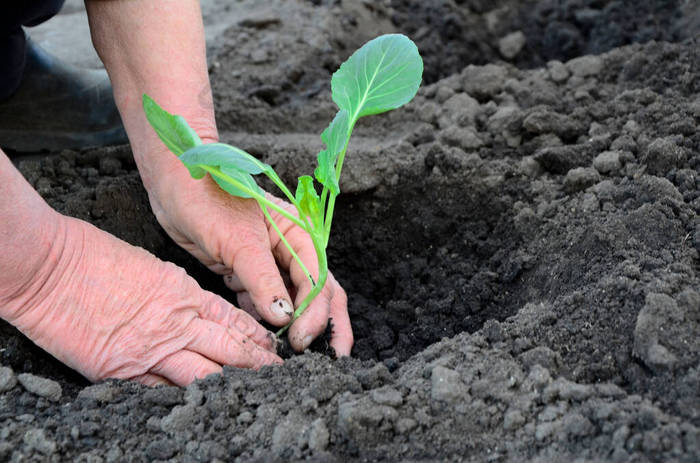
520	246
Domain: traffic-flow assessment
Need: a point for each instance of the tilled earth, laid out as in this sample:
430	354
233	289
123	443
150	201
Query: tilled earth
520	245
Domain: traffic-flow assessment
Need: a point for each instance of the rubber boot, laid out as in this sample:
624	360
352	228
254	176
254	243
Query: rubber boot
58	106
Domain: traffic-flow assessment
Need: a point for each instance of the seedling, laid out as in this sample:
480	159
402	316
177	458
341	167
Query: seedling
383	74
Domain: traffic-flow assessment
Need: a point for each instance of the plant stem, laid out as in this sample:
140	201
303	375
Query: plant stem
272	175
332	196
338	169
286	243
260	198
316	289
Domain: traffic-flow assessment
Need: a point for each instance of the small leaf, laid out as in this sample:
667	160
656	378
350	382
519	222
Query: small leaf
173	130
335	137
383	74
223	155
308	200
244	178
231	161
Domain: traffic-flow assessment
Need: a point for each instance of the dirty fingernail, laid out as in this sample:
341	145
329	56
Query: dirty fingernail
281	308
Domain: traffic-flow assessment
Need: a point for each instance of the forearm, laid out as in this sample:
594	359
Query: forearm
155	47
31	238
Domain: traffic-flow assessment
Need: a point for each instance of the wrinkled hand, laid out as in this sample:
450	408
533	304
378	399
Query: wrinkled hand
232	238
111	310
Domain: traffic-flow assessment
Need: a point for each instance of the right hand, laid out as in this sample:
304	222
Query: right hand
231	236
112	310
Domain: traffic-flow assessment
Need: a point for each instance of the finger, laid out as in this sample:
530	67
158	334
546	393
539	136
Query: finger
313	321
315	318
291	289
218	310
246	304
184	366
257	270
228	346
152	380
234	283
341	335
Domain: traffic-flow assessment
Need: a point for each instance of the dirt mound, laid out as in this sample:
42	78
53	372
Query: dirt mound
520	249
452	33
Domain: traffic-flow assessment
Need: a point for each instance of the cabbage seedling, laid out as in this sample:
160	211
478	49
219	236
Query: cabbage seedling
383	74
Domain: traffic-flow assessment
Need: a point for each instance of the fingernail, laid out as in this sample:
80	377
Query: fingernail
307	341
281	308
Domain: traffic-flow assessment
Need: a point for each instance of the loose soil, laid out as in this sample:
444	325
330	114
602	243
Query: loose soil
520	246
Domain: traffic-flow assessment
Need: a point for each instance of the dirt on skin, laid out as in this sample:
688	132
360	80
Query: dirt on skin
520	249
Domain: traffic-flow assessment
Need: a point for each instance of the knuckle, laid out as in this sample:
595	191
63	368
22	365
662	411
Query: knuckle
340	296
242	322
246	253
245	243
215	308
327	293
175	275
269	280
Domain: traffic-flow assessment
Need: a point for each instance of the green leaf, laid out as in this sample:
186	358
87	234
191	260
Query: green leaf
231	161
335	137
223	155
244	178
308	200
383	74
173	130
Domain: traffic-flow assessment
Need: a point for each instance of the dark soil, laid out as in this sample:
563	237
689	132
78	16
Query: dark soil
520	246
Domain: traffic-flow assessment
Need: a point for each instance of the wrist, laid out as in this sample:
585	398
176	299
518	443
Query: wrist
156	163
32	237
38	270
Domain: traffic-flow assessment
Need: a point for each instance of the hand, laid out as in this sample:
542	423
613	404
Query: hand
163	55
111	310
231	237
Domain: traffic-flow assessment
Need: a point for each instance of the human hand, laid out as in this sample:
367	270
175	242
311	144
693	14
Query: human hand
111	310
231	237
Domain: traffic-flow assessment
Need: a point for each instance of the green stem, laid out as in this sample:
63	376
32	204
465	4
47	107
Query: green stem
286	243
338	169
324	197
272	175
316	289
260	198
331	200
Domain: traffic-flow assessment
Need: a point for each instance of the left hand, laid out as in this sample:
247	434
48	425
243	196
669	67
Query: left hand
231	237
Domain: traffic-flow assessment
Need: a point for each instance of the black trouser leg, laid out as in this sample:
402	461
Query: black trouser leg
13	44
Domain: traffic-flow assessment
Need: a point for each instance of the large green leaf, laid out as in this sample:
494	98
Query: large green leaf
383	74
223	155
173	130
335	137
